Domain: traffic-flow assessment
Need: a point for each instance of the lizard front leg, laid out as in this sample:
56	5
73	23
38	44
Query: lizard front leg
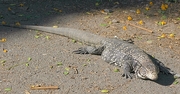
90	50
128	69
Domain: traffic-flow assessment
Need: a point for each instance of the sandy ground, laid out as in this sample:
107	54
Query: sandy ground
35	58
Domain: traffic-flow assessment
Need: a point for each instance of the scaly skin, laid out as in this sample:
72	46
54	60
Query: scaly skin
131	58
121	53
125	55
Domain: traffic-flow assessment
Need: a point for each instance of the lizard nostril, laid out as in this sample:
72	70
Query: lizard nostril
152	76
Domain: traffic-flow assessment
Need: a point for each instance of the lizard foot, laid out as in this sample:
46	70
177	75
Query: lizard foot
127	75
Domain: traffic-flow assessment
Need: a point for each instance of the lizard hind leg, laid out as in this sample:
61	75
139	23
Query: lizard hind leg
90	50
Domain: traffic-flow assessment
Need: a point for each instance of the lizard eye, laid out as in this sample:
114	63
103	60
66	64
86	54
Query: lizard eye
148	72
142	73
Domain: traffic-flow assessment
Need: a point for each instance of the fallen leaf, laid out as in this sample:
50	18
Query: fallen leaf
116	3
66	73
67	68
104	91
88	13
74	41
116	70
60	11
12	4
107	17
29	58
84	64
149	41
3	61
55	9
110	22
21	5
51	67
47	37
59	64
27	64
55	26
176	82
97	4
115	21
103	12
7	89
20	15
103	25
36	36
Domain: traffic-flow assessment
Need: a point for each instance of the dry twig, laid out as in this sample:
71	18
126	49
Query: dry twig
43	87
140	27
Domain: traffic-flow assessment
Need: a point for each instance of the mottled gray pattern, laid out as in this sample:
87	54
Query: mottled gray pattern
132	59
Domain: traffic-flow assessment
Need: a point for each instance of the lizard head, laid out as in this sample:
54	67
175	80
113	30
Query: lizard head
149	71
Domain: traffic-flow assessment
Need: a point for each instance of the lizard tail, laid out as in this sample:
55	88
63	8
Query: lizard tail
76	34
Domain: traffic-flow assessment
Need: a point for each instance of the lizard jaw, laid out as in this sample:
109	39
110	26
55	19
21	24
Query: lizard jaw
144	73
152	76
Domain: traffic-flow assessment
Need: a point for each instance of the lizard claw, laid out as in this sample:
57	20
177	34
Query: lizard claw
127	75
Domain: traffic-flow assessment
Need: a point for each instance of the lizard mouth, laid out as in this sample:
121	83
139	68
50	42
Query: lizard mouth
147	75
152	76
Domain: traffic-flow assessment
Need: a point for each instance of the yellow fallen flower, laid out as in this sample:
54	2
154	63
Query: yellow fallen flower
124	28
9	8
162	36
3	40
3	23
164	6
147	8
140	22
150	3
138	11
17	24
129	18
5	51
171	35
21	5
163	23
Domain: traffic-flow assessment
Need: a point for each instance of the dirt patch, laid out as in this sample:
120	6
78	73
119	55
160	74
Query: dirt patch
38	58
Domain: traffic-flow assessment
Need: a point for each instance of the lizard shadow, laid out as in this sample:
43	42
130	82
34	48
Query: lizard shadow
164	79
